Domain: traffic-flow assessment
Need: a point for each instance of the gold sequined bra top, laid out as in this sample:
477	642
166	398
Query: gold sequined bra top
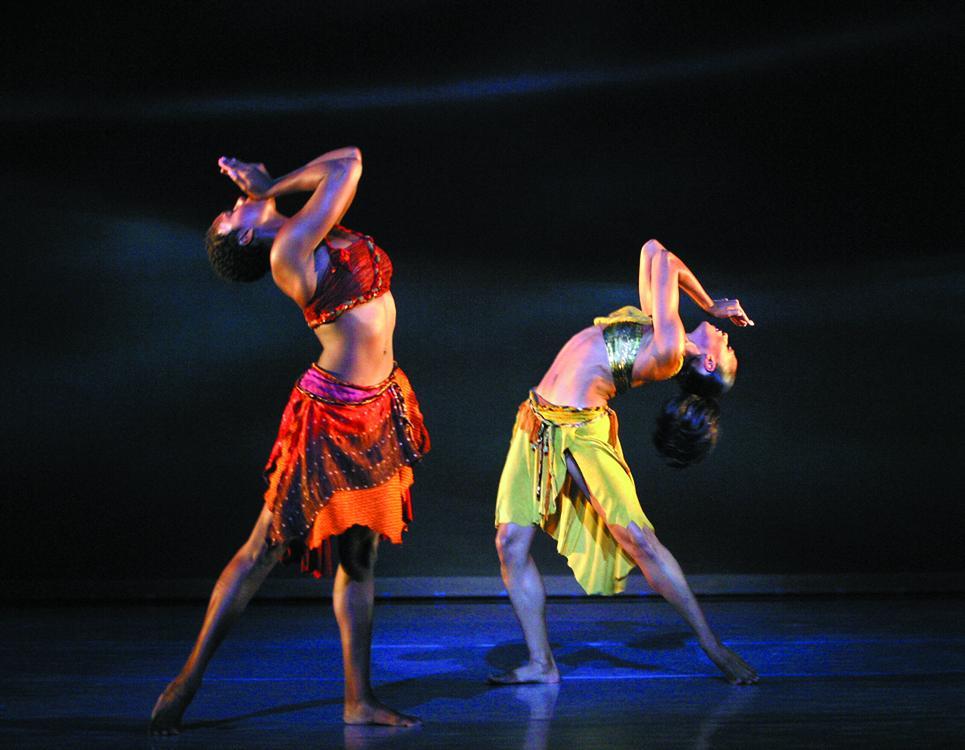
623	332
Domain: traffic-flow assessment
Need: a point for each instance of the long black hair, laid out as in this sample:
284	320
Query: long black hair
687	425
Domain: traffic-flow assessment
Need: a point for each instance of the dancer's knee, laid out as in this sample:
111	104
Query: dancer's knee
259	549
643	542
512	545
260	553
358	551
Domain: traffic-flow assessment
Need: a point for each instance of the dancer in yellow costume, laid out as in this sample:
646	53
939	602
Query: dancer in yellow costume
565	471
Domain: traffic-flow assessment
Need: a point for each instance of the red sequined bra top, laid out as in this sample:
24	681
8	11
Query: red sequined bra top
356	274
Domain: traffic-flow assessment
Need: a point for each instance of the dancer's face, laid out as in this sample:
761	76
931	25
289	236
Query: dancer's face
248	214
710	343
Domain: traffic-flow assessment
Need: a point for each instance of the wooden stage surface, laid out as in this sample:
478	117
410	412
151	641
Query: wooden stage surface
882	671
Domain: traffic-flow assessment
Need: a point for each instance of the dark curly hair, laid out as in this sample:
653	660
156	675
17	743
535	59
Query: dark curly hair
687	428
233	261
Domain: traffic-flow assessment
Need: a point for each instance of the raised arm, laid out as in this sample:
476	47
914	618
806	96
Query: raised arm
255	182
660	298
332	178
307	178
719	308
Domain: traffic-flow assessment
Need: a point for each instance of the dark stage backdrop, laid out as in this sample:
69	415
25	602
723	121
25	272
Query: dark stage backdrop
516	157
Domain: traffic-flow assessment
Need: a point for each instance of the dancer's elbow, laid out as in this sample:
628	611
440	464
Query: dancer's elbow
651	249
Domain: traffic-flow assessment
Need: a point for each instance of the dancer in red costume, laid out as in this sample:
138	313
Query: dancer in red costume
341	466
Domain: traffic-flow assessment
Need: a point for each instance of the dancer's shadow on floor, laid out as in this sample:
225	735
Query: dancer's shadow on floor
467	682
262	712
636	635
661	641
403	695
415	691
505	656
592	655
69	725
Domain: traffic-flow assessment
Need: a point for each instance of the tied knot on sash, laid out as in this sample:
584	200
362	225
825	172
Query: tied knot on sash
545	424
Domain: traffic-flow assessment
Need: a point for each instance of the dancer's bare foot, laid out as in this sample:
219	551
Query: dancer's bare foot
373	712
171	705
530	673
736	670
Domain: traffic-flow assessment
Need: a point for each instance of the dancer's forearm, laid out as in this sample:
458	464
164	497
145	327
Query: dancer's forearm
718	308
691	287
308	177
686	279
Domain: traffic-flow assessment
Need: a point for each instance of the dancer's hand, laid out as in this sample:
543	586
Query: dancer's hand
731	309
253	179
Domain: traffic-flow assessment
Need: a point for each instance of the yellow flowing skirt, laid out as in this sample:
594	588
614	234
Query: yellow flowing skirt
535	488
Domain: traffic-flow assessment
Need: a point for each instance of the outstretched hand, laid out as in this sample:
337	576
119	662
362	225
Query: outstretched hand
253	179
731	309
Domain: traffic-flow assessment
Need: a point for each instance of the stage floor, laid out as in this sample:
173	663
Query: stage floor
857	672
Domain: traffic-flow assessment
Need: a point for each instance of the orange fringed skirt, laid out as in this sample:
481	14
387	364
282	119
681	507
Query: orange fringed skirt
343	458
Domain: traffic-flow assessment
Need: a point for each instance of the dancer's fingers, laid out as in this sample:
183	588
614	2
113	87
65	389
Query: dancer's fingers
738	316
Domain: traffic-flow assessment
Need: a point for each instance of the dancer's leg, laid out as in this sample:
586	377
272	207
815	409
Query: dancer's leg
238	582
664	575
528	596
353	598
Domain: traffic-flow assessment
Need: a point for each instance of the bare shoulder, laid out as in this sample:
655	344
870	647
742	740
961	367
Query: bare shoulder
295	267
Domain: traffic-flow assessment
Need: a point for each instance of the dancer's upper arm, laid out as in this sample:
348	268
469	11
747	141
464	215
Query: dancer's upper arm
660	292
293	252
650	247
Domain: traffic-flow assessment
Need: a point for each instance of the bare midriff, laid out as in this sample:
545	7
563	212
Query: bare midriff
357	346
580	375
